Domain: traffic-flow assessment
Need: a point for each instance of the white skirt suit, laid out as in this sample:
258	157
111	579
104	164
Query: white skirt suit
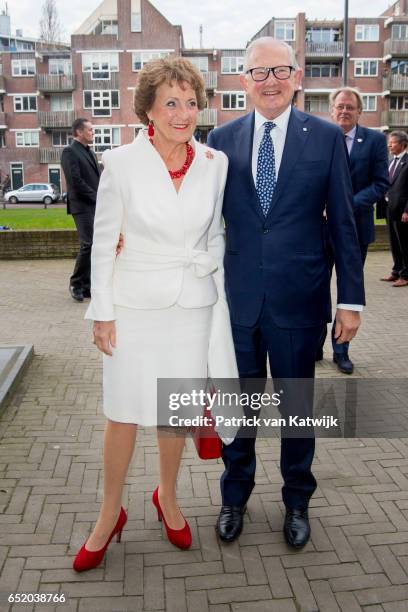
166	288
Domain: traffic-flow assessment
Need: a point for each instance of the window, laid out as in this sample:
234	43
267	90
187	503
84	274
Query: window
100	65
365	68
322	70
233	100
323	35
60	66
399	31
2	140
25	104
27	139
61	103
106	26
140	58
106	138
232	65
200	62
369	103
367	32
399	103
285	30
316	104
135	16
101	102
23	67
61	138
399	67
24	46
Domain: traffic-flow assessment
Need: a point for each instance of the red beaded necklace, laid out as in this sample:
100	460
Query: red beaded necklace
175	174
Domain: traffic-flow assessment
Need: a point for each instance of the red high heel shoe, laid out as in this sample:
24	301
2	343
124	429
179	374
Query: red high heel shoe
88	559
178	537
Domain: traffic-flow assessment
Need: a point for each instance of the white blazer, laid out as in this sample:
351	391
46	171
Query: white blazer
173	242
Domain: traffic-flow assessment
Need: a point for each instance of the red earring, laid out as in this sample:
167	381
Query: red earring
150	130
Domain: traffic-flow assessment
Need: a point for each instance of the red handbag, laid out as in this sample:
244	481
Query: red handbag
206	439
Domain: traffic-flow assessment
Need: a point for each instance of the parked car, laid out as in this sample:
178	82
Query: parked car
34	192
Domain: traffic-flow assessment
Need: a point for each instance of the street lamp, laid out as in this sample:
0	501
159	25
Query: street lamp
345	43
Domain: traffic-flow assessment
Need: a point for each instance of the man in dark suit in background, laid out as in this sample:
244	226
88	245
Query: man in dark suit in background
284	168
82	174
397	208
369	175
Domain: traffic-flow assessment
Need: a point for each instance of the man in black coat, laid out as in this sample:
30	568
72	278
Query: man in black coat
397	208
82	175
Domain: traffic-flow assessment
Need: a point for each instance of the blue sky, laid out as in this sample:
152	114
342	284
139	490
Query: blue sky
226	23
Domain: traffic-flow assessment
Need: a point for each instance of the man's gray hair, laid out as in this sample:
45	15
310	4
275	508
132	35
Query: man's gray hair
401	136
264	40
349	90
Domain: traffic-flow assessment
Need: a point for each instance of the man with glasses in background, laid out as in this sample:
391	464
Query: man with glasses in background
285	167
369	175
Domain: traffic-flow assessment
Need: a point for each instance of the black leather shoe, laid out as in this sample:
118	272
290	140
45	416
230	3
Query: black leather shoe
343	362
86	293
296	528
230	522
76	294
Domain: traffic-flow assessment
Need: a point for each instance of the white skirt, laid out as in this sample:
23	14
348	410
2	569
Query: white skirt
151	344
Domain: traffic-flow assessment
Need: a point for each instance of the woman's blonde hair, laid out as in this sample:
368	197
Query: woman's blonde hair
166	70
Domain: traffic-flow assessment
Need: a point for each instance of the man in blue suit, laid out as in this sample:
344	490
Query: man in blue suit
369	175
285	168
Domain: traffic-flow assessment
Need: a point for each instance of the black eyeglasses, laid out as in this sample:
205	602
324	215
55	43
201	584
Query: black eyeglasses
279	72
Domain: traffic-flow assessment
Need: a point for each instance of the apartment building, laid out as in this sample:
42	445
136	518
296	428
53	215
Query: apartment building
42	90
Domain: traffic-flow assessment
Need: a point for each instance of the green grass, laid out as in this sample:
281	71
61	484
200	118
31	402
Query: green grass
22	219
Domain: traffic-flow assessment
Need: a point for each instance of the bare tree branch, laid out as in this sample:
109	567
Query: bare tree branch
50	25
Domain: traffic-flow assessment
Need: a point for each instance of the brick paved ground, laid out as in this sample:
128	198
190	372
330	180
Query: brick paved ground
50	457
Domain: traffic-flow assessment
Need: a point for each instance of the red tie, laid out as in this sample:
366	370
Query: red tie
392	168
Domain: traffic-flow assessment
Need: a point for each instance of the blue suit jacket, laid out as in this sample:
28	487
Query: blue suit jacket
369	175
282	258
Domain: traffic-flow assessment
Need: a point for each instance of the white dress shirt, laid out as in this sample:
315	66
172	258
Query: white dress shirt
350	136
399	159
278	136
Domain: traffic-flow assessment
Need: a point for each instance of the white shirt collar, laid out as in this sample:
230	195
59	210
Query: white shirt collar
352	133
281	121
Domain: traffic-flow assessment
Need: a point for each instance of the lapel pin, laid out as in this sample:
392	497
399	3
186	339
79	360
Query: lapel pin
305	129
359	140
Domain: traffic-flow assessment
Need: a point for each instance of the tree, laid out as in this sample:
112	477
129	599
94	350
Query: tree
50	26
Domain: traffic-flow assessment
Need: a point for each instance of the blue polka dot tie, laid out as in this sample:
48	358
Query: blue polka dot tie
266	169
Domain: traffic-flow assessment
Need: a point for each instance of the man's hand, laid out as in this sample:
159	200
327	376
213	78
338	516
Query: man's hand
120	245
347	324
105	336
404	217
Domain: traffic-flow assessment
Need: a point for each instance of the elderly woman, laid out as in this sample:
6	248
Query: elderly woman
159	308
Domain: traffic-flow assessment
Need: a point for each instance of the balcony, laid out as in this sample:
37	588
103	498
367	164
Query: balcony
207	117
395	83
3	123
395	47
210	80
395	118
50	156
324	49
50	83
56	119
89	83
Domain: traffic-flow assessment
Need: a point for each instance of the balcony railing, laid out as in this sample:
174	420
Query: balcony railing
89	83
207	117
210	79
50	156
324	49
395	47
55	82
56	119
395	82
395	118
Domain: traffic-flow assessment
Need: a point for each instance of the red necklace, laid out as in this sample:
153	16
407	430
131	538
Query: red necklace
175	174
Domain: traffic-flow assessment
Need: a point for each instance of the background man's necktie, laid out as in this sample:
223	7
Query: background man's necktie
393	167
266	169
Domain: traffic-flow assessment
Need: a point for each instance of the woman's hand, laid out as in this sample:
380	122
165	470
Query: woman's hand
105	336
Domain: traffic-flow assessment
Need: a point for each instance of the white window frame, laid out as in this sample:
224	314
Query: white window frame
287	25
24	139
101	58
320	66
61	97
321	99
236	64
68	138
105	131
366	104
359	67
363	32
146	56
401	27
65	63
20	98
199	61
403	98
17	66
241	96
100	95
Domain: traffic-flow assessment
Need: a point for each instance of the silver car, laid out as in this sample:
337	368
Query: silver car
34	192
